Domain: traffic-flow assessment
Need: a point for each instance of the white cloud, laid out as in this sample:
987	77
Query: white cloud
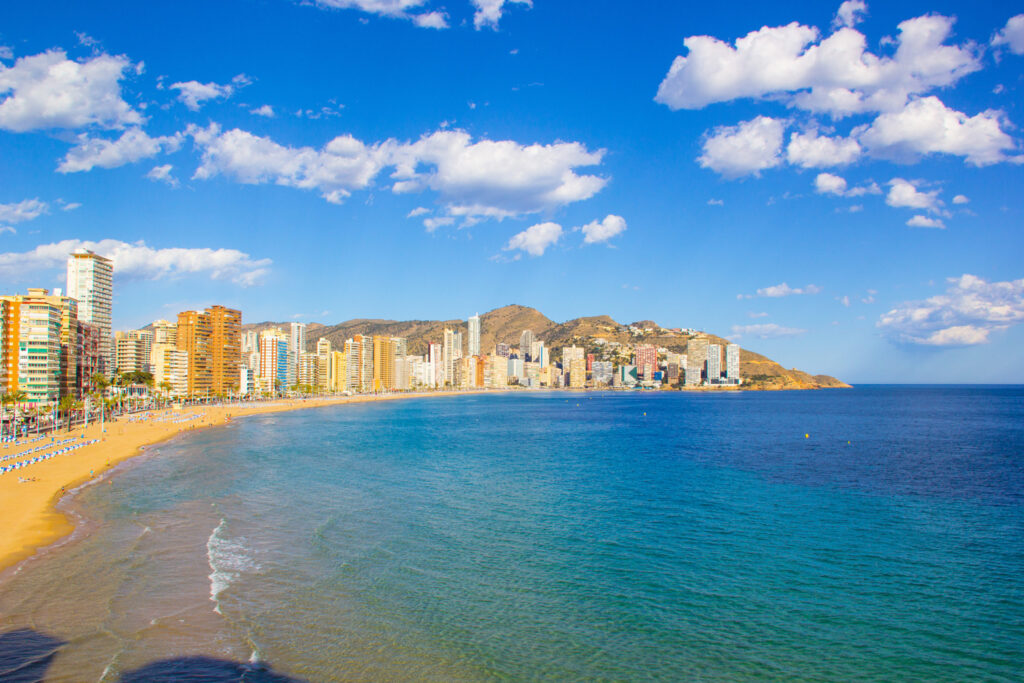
475	180
396	9
904	194
488	12
750	147
433	223
71	206
1012	35
266	110
163	174
25	210
829	183
437	20
536	239
342	165
926	126
133	145
844	300
139	261
495	178
810	150
849	13
780	290
755	314
194	93
920	221
6	52
961	199
602	231
418	211
765	331
716	202
835	74
970	309
50	91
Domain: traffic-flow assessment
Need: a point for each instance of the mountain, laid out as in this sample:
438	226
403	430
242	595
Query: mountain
599	334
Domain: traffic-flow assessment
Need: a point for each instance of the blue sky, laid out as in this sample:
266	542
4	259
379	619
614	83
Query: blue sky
836	186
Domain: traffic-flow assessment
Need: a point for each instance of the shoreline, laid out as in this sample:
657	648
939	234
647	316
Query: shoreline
34	521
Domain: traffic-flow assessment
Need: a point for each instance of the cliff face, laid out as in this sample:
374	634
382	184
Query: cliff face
600	335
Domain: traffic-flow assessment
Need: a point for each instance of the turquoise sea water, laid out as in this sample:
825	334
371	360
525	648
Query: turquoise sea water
555	535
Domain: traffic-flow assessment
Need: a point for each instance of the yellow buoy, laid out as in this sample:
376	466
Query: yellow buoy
807	436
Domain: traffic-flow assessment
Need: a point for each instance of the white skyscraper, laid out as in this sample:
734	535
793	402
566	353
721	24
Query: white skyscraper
732	361
297	340
452	352
91	282
714	363
525	345
474	335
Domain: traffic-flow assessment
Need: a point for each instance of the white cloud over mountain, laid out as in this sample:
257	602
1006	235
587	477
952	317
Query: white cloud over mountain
474	180
764	331
536	239
139	261
781	290
965	315
49	90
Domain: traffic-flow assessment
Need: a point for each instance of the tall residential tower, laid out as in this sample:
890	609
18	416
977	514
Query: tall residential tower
91	282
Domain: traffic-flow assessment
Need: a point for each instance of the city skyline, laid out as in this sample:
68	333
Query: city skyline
580	164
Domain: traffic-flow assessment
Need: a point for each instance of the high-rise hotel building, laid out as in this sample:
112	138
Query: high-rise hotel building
732	362
696	357
714	363
474	335
212	339
91	282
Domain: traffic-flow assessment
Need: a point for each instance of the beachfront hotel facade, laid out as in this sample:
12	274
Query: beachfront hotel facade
46	352
90	281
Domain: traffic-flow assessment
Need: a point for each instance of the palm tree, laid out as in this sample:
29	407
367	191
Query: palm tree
166	387
5	400
66	405
16	397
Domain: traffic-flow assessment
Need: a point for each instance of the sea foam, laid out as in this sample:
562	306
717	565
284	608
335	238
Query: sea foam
227	558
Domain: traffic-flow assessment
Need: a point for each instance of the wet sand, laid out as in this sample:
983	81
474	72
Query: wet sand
28	509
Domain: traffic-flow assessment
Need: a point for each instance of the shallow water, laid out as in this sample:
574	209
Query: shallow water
595	536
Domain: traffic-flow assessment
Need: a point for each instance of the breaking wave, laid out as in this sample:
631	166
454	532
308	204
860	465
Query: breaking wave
228	559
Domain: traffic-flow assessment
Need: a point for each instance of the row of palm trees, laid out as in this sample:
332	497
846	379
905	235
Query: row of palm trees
68	405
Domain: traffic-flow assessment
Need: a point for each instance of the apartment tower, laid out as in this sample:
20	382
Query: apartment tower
91	283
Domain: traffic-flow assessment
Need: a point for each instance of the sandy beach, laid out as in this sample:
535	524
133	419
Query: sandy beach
31	520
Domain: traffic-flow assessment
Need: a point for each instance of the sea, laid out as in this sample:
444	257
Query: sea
865	534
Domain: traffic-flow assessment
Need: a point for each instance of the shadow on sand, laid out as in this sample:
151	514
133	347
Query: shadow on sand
25	656
205	670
